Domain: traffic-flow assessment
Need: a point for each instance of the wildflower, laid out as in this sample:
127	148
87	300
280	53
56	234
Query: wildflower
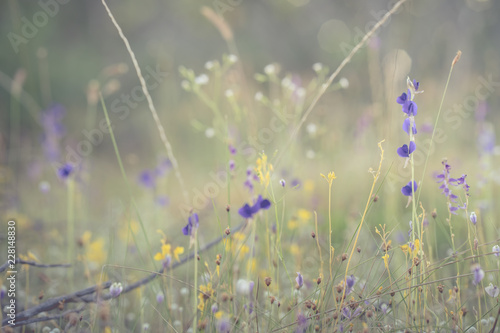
201	80
232	165
206	292
300	280
270	69
478	274
116	289
193	222
282	182
248	211
147	179
244	287
406	126
232	149
408	105
407	190
496	250
492	290
350	282
214	308
405	151
317	67
473	218
232	58
3	292
344	83
160	297
65	171
223	325
301	322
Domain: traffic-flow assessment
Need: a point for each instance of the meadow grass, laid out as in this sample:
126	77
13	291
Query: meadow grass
253	257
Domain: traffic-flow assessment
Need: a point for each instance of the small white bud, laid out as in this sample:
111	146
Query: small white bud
201	80
317	67
344	83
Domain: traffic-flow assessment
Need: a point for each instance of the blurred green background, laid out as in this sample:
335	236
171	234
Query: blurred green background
78	44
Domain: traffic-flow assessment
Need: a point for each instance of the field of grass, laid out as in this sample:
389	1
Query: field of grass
237	166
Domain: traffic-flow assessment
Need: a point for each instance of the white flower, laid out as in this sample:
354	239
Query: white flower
317	67
232	58
244	287
311	128
270	69
209	65
496	250
301	92
492	290
209	132
259	96
344	83
201	80
229	93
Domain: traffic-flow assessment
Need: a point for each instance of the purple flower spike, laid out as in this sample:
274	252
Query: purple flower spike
406	126
248	211
300	280
193	222
478	274
407	190
232	149
405	151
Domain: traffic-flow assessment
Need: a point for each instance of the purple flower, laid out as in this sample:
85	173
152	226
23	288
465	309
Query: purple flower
116	289
408	106
473	218
282	182
248	211
147	179
300	280
163	167
193	222
416	84
232	165
407	190
232	149
405	151
301	323
478	274
350	282
406	126
65	171
160	297
214	308
223	325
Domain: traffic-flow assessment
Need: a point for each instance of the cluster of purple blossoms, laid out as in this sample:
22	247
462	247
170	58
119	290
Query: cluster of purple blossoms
446	181
248	211
409	107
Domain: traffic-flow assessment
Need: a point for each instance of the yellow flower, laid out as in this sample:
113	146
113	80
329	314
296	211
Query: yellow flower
165	251
205	293
87	235
263	170
219	314
304	214
294	249
95	251
330	178
386	260
178	250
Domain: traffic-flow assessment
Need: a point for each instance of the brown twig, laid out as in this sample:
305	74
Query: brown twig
31	263
87	295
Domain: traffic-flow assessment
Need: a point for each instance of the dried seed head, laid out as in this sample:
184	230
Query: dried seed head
344	256
318	280
375	198
358	249
227	231
440	288
313	235
228	208
268	280
434	214
224	297
464	311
